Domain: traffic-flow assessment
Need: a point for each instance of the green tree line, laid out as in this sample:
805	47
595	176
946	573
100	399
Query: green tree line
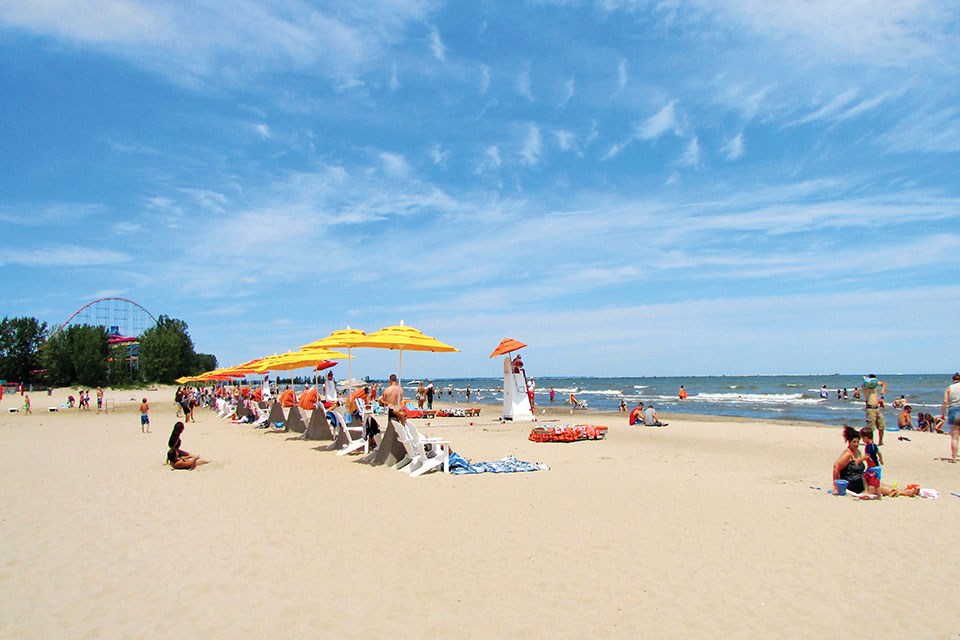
82	354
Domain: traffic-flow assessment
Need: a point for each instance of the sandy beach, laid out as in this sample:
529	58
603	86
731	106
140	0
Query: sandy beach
705	528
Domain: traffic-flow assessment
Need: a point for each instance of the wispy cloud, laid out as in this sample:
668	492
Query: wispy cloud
61	256
830	109
660	123
733	150
691	153
523	83
937	132
436	45
262	130
189	41
569	88
439	155
490	160
394	164
622	73
394	83
532	145
484	79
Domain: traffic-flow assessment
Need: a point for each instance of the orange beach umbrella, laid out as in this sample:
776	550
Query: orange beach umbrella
506	346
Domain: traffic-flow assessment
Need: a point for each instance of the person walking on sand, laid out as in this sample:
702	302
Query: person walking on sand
421	395
873	392
99	399
26	404
950	413
144	417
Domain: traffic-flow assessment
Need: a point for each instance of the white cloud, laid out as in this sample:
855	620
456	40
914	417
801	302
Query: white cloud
439	155
436	45
691	153
830	109
569	88
660	123
394	164
532	146
863	106
622	73
394	79
734	148
263	130
523	84
224	42
937	132
567	141
62	255
484	79
491	159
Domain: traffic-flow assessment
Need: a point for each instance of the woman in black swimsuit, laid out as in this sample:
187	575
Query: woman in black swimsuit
851	465
177	457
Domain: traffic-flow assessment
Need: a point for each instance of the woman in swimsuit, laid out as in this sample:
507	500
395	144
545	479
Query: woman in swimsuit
850	466
177	457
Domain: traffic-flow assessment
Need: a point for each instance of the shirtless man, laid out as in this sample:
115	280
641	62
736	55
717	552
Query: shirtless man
392	398
873	391
904	419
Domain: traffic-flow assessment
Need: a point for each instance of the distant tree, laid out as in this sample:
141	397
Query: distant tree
166	351
120	370
77	355
205	362
20	340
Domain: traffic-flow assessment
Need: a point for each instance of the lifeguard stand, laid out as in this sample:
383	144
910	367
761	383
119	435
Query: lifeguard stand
516	402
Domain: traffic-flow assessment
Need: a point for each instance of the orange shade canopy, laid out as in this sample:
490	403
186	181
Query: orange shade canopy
506	346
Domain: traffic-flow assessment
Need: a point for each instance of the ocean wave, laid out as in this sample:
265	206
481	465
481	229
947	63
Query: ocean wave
755	398
602	392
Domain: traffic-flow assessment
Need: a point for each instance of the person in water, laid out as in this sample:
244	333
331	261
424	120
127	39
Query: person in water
177	457
850	466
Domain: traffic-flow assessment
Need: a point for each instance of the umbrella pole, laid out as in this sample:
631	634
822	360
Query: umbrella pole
400	378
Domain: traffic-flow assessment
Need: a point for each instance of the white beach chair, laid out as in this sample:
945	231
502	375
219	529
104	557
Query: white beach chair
351	435
423	453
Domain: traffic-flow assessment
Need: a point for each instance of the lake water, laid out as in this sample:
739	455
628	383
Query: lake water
766	397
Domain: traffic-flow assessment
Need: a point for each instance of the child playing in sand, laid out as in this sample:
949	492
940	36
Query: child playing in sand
26	405
872	475
144	417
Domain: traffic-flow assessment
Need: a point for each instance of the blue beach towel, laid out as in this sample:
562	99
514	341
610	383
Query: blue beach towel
509	464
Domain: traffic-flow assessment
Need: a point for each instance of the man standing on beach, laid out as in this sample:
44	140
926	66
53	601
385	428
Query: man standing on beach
873	392
392	398
430	394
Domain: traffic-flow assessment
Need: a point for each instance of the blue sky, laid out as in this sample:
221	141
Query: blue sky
631	187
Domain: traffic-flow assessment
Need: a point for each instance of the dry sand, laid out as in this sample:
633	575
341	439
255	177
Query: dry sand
700	529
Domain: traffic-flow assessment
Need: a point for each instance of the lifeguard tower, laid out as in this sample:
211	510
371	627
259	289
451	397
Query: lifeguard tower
516	402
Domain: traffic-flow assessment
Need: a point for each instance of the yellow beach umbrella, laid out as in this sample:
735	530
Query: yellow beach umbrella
403	338
340	339
297	360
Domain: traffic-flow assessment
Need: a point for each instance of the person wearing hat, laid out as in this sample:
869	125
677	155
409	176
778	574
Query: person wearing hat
950	412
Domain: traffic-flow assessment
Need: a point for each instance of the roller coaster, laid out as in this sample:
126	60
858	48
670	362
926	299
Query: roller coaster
124	320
